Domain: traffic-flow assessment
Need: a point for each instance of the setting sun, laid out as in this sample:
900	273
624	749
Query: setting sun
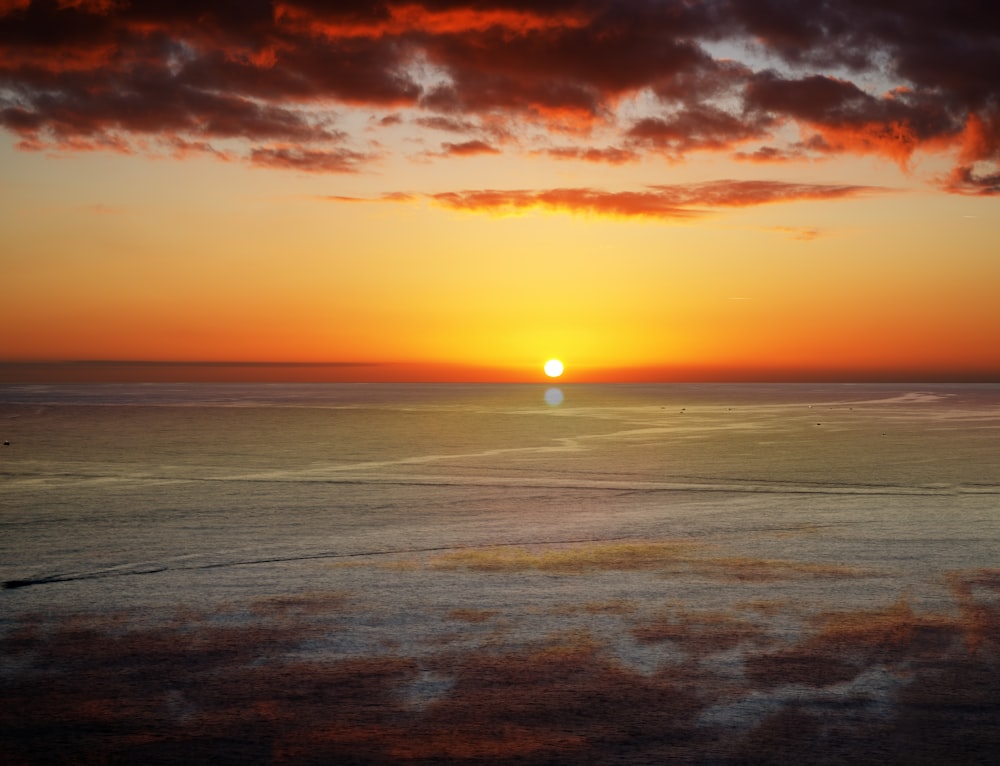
553	368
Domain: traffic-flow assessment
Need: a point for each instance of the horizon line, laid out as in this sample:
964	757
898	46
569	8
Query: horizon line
251	371
191	363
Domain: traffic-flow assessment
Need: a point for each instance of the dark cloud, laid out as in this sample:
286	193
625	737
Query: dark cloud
847	118
698	128
124	76
941	58
574	70
450	124
117	75
950	48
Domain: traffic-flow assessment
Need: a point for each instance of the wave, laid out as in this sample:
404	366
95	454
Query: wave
730	485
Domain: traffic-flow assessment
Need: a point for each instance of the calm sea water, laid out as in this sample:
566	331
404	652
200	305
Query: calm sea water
647	529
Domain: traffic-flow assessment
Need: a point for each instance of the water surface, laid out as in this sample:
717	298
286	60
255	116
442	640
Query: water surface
446	573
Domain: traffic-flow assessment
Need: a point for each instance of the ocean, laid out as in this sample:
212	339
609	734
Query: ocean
404	573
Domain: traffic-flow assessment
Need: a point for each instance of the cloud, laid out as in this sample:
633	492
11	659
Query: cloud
388	197
468	148
664	202
450	124
347	20
964	180
764	154
107	75
799	233
726	193
649	204
941	57
123	77
847	119
308	160
698	128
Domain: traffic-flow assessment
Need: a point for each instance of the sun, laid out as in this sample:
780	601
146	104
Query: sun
553	368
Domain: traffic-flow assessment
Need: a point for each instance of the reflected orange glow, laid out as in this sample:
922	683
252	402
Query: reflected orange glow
191	688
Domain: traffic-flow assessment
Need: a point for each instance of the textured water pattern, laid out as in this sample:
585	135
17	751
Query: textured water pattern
455	574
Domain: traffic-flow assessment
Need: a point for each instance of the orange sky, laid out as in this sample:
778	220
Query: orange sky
460	191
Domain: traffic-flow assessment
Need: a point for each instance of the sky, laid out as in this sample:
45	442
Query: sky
441	190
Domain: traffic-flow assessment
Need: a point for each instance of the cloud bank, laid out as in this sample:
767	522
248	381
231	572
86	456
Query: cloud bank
275	83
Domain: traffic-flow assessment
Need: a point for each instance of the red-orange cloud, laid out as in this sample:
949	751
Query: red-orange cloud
394	19
680	201
468	148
